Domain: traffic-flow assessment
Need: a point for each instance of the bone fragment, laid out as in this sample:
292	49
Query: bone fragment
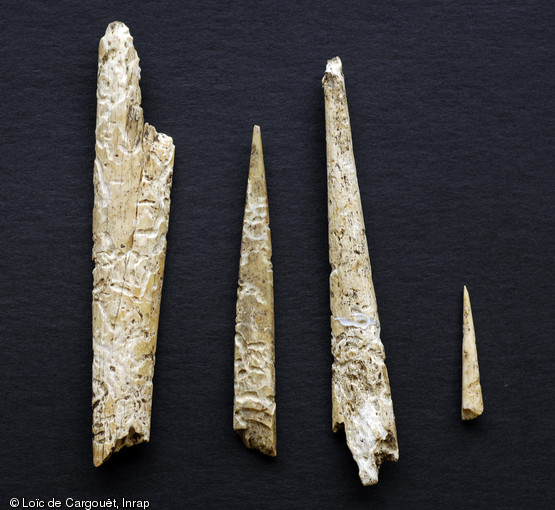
361	397
254	409
132	181
472	403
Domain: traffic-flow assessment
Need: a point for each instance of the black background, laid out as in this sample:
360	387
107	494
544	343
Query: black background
452	110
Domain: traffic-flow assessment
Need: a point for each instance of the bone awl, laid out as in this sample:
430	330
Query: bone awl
472	404
361	396
254	409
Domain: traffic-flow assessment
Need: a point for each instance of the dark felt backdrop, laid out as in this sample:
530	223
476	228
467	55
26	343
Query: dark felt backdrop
452	110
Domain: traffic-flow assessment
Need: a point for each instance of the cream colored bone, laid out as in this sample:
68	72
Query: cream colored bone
254	409
361	396
132	181
472	404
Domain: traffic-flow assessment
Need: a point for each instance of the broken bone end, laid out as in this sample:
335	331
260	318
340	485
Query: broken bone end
103	451
259	437
470	414
334	68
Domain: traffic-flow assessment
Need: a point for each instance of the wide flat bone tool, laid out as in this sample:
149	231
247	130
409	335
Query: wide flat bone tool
132	181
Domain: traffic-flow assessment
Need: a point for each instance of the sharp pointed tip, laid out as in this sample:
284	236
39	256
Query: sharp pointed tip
257	137
465	294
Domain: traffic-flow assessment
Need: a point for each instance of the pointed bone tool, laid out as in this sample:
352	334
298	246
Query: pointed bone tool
254	408
361	397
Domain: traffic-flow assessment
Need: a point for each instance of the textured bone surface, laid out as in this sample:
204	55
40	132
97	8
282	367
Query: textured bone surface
361	397
254	408
472	403
132	181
